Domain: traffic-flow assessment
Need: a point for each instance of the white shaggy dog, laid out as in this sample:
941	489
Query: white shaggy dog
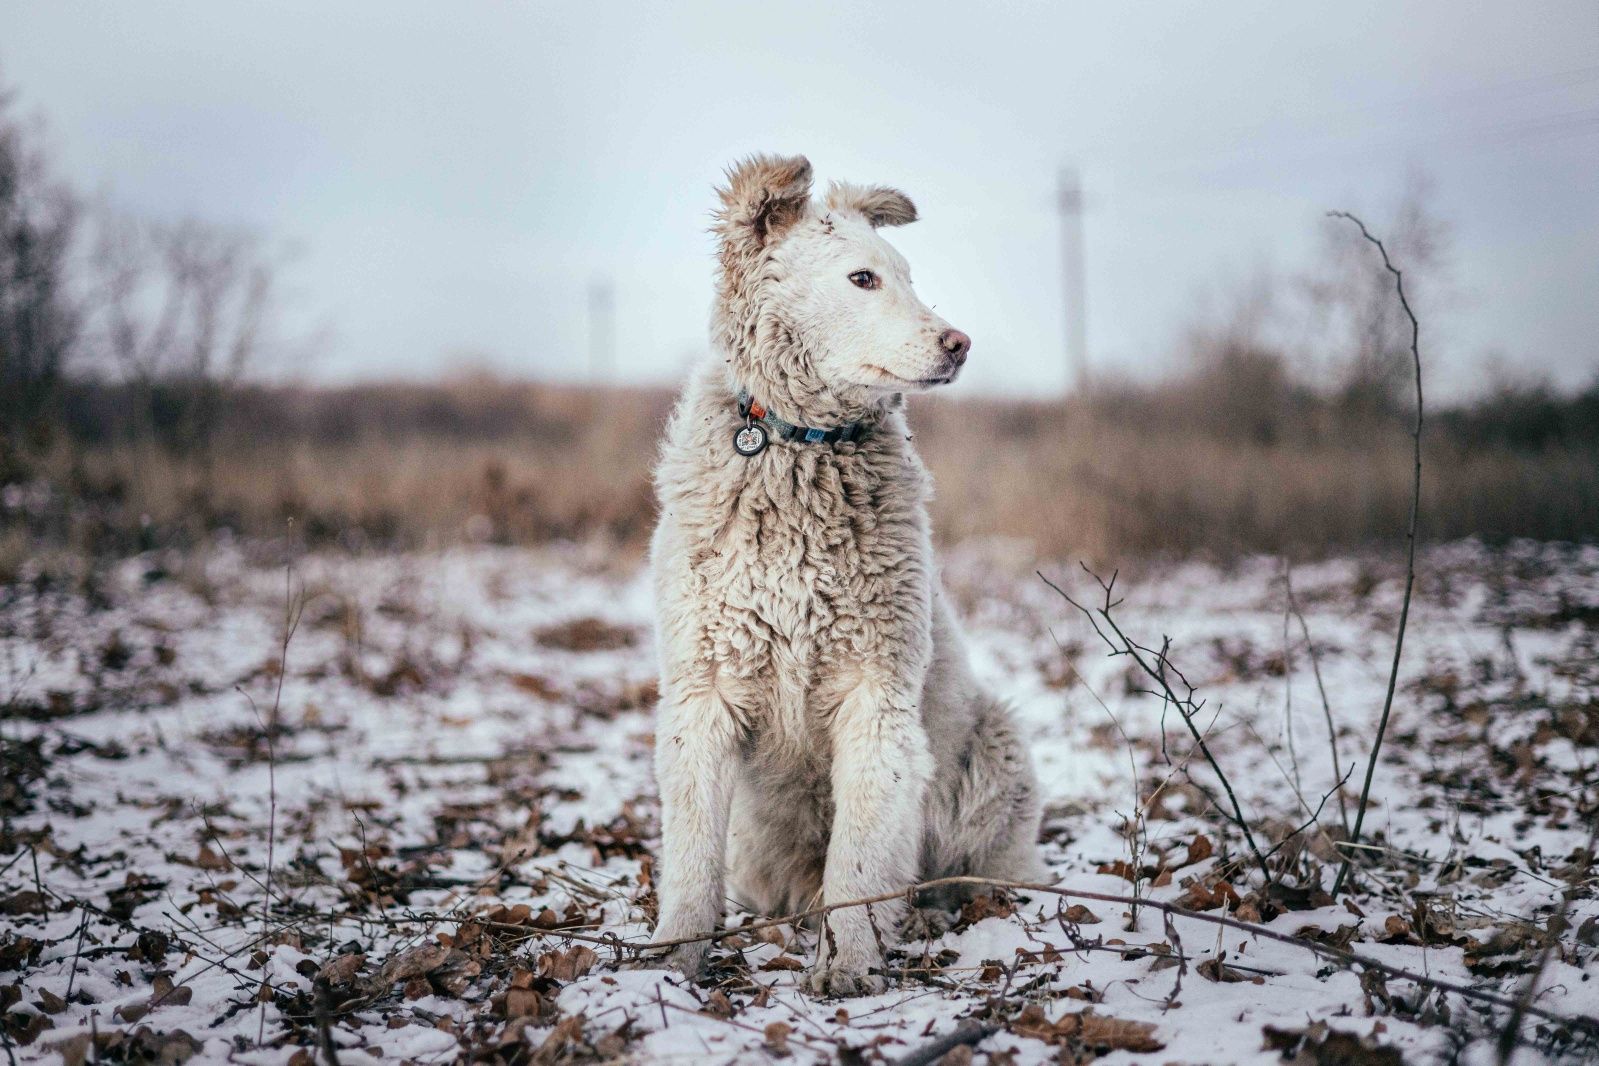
820	735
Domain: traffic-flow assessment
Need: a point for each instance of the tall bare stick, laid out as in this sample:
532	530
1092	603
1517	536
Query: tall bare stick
1410	546
293	610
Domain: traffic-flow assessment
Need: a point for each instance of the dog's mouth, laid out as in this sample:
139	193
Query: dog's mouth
923	383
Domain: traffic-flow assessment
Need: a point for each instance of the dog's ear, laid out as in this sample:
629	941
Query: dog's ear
881	205
765	195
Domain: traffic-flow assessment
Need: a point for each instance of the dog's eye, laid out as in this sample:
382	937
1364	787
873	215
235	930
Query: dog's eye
865	279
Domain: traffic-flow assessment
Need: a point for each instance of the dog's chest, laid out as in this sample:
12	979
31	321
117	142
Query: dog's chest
811	571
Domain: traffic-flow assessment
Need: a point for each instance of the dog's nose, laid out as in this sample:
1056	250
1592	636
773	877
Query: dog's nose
955	345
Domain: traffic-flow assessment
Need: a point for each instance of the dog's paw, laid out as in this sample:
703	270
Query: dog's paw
925	923
686	959
842	982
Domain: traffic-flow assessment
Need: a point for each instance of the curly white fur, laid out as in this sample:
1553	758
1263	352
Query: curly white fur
820	735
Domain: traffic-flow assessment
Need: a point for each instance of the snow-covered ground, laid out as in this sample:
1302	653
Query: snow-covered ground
458	782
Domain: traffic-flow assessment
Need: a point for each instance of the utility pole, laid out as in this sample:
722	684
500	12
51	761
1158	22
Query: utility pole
602	329
1070	203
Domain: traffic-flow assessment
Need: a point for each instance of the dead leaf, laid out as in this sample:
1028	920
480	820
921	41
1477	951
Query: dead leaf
1088	1030
1340	937
1396	930
24	1029
997	905
567	965
457	972
1203	897
1122	869
1317	1045
417	962
26	902
163	993
342	970
586	634
526	1003
1219	971
783	962
567	1032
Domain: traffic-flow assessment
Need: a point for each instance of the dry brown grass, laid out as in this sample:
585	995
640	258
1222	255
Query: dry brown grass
1090	482
521	463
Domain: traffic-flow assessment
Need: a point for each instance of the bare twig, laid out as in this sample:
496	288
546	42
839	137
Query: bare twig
1288	686
1321	688
1410	543
83	925
1182	963
293	611
934	1050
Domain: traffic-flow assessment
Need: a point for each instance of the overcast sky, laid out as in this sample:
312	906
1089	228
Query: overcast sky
455	174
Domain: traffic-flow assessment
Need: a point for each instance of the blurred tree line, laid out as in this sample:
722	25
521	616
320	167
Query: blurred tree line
165	316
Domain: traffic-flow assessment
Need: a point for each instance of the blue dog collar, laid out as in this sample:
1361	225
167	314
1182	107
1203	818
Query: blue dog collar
760	425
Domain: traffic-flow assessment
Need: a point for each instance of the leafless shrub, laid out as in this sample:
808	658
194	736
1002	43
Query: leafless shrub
1238	382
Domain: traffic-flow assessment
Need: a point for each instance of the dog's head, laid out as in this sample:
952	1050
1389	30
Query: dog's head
815	308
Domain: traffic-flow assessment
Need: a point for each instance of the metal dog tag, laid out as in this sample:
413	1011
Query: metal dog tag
751	440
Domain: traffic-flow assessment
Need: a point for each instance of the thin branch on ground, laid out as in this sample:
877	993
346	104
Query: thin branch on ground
1410	543
83	926
966	1034
1343	957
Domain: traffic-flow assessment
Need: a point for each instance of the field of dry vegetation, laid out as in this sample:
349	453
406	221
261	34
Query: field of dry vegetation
1205	465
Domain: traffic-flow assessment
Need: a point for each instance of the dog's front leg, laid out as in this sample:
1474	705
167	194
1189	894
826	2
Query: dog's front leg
881	767
696	752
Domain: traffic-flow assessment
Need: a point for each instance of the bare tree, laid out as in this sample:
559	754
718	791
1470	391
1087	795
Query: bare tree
1239	383
182	312
38	317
